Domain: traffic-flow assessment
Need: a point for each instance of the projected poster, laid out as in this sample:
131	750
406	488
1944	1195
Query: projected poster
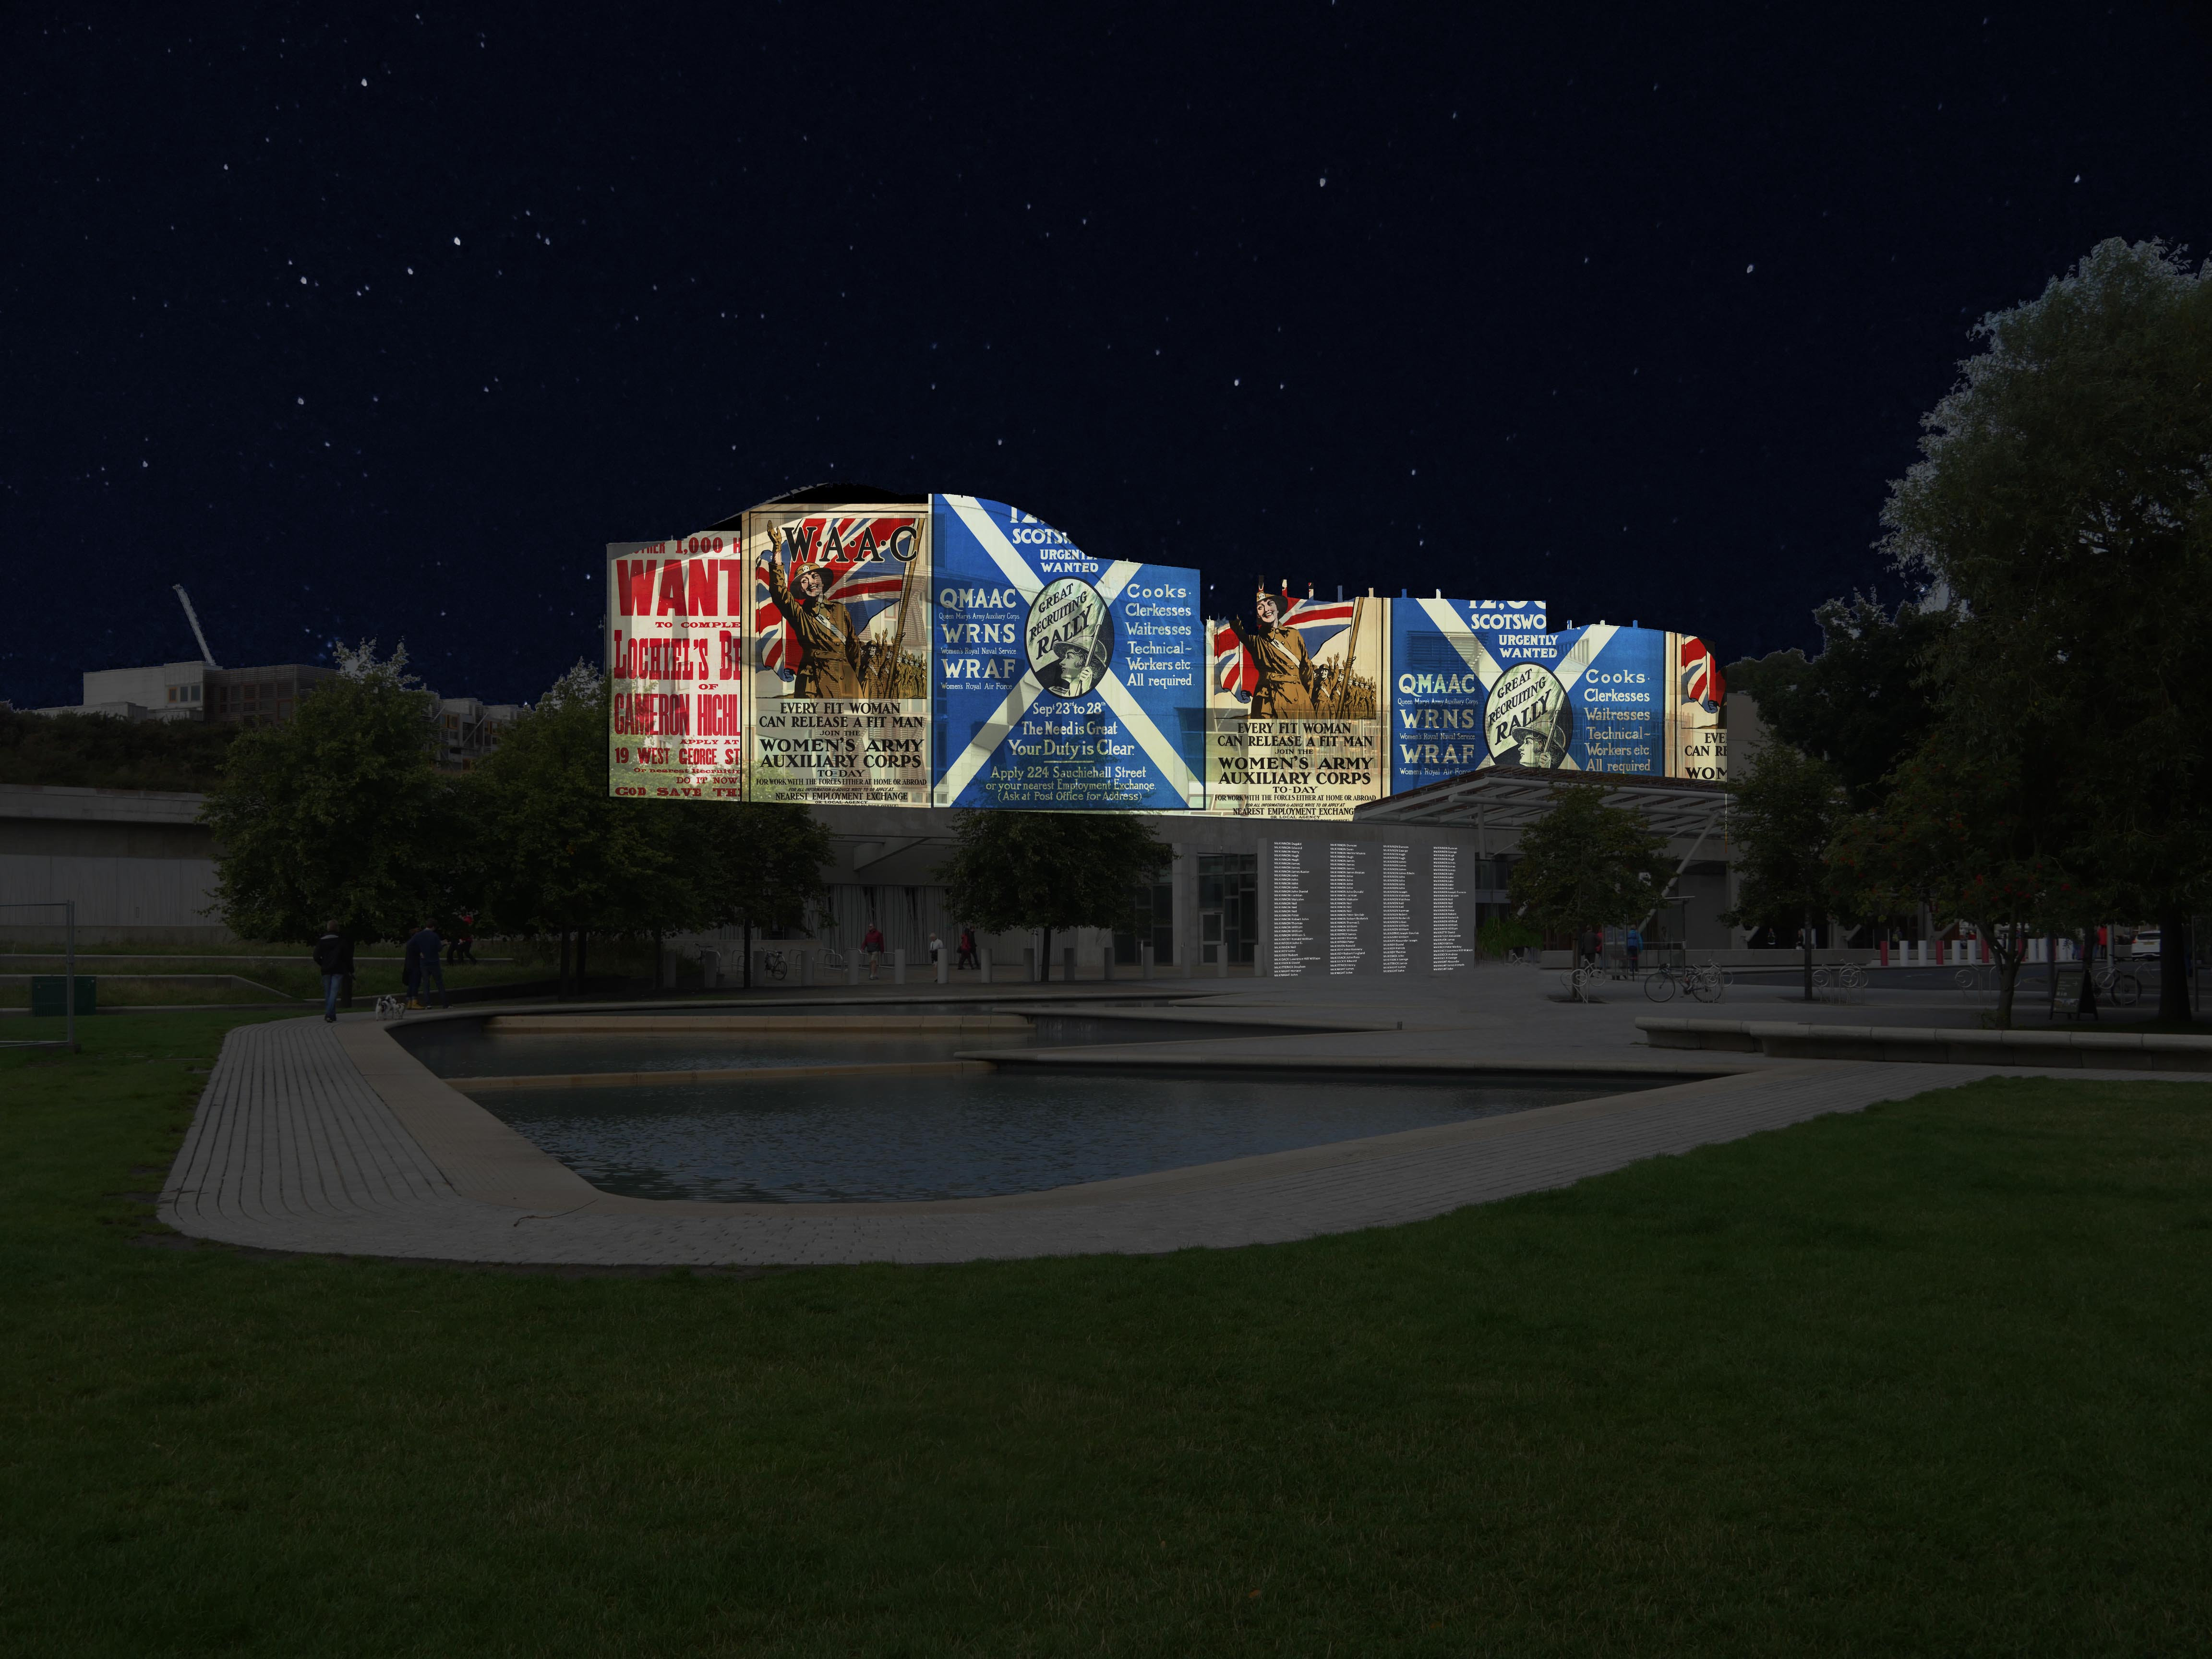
1293	726
838	655
675	668
1062	681
1440	674
1592	699
1699	749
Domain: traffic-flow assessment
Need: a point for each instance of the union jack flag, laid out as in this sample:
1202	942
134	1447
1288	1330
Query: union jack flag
1702	682
1319	621
863	584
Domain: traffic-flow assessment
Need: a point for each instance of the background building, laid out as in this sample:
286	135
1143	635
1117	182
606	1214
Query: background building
468	728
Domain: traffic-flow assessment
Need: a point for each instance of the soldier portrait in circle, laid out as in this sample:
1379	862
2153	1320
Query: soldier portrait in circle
1070	635
1529	721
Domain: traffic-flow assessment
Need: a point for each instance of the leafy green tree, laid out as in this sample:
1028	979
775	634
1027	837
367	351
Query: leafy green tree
339	813
555	854
2065	497
1865	703
1049	870
1585	864
100	751
1501	936
1788	808
1963	834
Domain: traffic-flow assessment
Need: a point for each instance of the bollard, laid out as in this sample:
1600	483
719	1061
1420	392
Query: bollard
1221	964
806	967
944	963
852	968
986	959
1106	960
1146	951
1029	964
1067	965
898	967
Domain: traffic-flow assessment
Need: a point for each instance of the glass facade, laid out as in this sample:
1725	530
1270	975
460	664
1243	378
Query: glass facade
1228	907
1152	922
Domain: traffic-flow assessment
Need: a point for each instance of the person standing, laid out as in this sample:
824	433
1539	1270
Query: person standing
967	948
829	646
334	962
936	949
871	946
1279	659
1635	943
423	967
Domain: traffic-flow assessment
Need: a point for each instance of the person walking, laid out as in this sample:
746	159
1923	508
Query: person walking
871	946
966	949
423	967
334	962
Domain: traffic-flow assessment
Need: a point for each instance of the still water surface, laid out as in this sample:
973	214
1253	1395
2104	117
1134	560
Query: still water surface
820	1140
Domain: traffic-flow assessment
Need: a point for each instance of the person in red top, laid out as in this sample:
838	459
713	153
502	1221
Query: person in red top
871	946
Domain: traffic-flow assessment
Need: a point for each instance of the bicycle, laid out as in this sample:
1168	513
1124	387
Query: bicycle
1577	981
2118	985
773	965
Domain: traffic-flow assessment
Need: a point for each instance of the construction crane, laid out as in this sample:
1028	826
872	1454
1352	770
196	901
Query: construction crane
193	616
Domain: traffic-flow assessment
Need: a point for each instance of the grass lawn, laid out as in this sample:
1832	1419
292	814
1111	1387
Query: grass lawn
1929	1378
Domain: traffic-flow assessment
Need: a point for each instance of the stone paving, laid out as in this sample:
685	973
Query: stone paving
314	1138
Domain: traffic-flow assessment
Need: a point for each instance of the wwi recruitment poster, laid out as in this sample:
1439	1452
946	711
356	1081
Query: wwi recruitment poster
1293	726
1592	699
838	667
1700	746
1062	681
1444	656
676	668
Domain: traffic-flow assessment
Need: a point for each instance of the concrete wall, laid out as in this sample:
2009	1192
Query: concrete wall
137	862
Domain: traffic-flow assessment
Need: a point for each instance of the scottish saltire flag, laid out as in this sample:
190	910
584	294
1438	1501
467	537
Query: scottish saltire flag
1317	621
1060	681
1468	696
1702	682
862	583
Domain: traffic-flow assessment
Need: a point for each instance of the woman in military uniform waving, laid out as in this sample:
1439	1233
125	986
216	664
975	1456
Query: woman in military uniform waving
830	649
1280	657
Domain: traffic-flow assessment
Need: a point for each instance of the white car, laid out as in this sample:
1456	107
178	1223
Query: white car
2146	944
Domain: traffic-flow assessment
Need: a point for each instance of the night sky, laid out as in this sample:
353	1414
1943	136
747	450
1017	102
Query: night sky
369	323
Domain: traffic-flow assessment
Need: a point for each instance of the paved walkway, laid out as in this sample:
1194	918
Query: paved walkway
326	1139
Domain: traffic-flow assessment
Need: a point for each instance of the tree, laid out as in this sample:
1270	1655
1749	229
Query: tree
2065	496
1049	870
1584	864
100	751
1962	832
555	853
1866	702
339	812
1788	807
